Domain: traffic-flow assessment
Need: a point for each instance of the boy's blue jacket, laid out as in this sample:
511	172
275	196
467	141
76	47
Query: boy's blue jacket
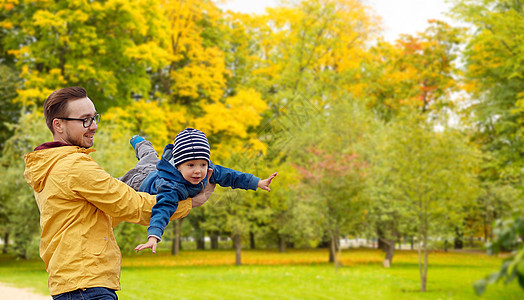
170	187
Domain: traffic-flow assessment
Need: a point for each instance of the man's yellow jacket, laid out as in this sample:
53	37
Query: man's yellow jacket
79	205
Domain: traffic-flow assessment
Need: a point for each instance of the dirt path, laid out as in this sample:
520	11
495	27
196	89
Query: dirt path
12	293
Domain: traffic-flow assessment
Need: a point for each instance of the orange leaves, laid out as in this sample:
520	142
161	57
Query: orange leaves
8	4
417	71
324	164
251	257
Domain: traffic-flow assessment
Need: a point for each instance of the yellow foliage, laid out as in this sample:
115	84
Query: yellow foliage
519	106
203	76
257	146
159	123
44	18
150	53
6	25
234	116
29	97
39	83
202	73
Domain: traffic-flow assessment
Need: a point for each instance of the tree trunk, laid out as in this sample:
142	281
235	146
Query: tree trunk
6	242
412	242
332	251
238	248
380	242
281	243
423	251
424	275
201	243
176	245
251	240
459	239
333	248
213	236
338	258
289	245
389	248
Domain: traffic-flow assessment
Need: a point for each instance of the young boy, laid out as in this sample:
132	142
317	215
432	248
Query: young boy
181	173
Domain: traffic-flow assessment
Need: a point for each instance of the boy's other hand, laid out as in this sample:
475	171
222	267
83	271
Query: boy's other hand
151	243
264	183
204	195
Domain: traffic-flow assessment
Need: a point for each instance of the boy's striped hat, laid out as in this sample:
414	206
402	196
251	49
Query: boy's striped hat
191	144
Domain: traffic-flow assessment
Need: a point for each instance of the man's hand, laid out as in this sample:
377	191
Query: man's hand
151	243
202	197
264	183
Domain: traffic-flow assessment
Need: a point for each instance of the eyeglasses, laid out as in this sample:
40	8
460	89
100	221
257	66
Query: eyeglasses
87	121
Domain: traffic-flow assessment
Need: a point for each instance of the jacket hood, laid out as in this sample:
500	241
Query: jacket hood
39	163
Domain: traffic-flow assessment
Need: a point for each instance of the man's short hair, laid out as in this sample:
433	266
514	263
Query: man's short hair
55	106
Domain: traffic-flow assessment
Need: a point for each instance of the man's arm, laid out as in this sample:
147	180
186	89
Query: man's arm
90	182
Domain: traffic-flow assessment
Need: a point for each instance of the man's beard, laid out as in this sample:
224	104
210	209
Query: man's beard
80	141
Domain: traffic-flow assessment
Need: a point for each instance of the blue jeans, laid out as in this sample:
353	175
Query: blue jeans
96	293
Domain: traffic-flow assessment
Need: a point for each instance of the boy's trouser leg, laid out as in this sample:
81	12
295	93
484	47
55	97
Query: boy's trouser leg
148	158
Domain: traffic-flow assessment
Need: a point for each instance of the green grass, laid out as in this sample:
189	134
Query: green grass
296	274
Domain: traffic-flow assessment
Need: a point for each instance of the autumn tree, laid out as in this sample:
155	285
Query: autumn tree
493	69
107	47
195	72
296	56
492	63
422	180
417	71
329	154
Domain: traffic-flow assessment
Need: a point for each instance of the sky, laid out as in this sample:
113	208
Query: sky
398	16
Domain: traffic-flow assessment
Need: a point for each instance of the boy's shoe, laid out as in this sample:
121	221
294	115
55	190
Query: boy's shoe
135	140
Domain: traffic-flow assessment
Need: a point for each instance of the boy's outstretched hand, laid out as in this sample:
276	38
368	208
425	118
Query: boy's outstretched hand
151	243
264	183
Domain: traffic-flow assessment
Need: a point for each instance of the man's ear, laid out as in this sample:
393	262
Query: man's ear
57	126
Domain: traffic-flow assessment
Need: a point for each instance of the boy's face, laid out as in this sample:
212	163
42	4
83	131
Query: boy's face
193	171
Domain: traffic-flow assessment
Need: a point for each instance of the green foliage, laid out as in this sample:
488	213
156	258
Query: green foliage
493	72
328	151
416	171
9	82
494	75
17	204
128	236
420	182
509	235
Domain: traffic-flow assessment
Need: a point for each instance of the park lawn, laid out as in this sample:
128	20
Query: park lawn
296	274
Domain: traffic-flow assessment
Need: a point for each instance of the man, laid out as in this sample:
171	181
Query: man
80	203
